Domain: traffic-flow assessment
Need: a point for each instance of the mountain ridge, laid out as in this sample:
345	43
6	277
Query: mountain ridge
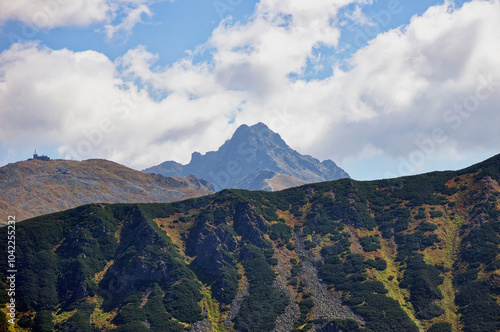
252	149
417	253
31	188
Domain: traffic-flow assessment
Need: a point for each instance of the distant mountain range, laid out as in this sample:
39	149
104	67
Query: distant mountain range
255	158
35	187
419	253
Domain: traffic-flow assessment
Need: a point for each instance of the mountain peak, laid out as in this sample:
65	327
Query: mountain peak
260	126
260	133
257	129
253	158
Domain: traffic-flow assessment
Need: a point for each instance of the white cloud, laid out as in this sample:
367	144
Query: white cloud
133	16
79	102
278	40
407	79
117	15
400	88
396	93
358	17
50	14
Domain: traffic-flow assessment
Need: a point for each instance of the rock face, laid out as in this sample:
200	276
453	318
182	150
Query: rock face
250	225
144	265
255	158
32	188
210	246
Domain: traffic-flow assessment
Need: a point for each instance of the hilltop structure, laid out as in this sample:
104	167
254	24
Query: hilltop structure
41	157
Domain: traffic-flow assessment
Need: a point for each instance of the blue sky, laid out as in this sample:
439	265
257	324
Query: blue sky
179	26
367	84
174	28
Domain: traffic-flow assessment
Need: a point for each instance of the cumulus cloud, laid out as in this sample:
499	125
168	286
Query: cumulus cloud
80	103
279	40
117	15
416	94
55	13
408	82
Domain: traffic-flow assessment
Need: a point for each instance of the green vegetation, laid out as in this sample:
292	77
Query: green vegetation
370	243
427	227
43	321
263	301
422	280
440	327
435	214
182	300
229	282
420	214
379	264
480	311
102	265
306	305
344	271
4	325
280	231
157	315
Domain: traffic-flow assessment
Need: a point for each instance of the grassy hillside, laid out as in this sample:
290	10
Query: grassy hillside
32	188
416	253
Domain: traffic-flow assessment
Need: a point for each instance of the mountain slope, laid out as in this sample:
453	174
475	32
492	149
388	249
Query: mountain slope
416	253
250	159
32	188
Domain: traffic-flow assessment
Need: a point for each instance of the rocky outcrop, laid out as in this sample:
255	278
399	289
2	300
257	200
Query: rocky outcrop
143	264
210	247
201	326
250	225
478	196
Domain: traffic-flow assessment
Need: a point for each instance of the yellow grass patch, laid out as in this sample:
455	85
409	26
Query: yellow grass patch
99	275
393	271
102	319
63	316
175	230
211	306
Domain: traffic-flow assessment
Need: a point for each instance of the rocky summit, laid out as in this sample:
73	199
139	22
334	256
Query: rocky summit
255	158
35	187
418	253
